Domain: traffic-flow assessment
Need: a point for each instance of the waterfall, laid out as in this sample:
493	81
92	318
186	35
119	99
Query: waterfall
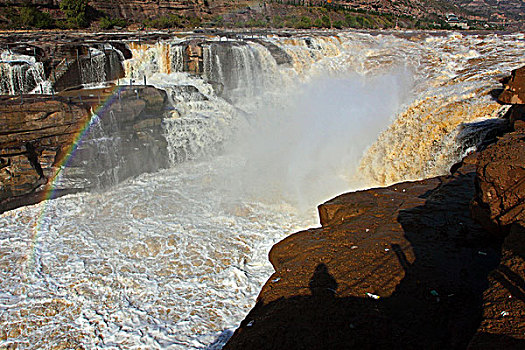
21	74
148	59
97	158
175	259
176	55
423	140
244	69
200	124
92	68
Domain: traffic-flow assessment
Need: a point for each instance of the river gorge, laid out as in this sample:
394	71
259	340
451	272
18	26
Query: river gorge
164	242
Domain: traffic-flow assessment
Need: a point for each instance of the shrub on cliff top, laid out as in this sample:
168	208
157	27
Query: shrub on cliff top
110	23
31	17
76	12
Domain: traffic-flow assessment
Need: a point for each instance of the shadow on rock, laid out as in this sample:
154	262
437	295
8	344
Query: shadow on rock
436	305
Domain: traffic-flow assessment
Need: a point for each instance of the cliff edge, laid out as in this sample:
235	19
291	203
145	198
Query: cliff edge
432	264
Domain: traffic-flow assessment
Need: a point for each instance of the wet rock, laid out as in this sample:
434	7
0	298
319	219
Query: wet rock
65	63
280	56
185	93
193	59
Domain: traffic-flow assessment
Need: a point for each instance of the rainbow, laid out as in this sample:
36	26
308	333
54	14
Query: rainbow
50	191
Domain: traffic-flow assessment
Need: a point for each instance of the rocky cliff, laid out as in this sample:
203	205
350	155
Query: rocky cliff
137	9
123	138
406	266
260	13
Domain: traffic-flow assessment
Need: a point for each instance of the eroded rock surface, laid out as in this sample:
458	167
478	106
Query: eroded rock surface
499	205
397	267
514	92
43	136
500	199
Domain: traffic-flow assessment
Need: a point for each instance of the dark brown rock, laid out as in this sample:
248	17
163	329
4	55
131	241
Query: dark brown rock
39	133
398	267
503	318
514	91
35	135
500	198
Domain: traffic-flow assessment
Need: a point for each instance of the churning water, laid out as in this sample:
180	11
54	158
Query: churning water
175	259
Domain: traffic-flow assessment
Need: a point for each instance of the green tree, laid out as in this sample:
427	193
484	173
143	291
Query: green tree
338	24
351	21
75	11
326	21
32	17
109	23
304	23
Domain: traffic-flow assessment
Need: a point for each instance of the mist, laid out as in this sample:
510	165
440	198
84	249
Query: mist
305	148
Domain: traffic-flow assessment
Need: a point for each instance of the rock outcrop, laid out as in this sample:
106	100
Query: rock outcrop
134	10
499	205
39	134
500	181
514	91
407	266
500	200
36	133
139	10
397	267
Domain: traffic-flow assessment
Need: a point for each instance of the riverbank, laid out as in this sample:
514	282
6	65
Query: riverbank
186	247
407	266
41	133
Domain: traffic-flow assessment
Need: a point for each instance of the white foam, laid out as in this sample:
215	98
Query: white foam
175	259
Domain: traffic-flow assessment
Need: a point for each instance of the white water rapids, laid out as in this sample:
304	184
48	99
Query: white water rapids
175	259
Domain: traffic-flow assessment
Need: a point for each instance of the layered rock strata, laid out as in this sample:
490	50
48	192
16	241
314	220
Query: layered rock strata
406	266
113	133
68	61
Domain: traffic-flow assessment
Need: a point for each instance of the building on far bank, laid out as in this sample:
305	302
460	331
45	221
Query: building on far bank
453	21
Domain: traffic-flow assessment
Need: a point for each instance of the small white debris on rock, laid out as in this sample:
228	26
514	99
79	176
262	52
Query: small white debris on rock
373	296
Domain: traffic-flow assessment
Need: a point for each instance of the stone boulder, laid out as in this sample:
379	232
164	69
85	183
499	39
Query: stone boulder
514	91
500	197
499	205
500	180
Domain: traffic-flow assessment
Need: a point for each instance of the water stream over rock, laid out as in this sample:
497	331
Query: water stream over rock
259	132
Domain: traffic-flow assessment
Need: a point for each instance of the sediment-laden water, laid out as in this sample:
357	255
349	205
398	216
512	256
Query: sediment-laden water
175	259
